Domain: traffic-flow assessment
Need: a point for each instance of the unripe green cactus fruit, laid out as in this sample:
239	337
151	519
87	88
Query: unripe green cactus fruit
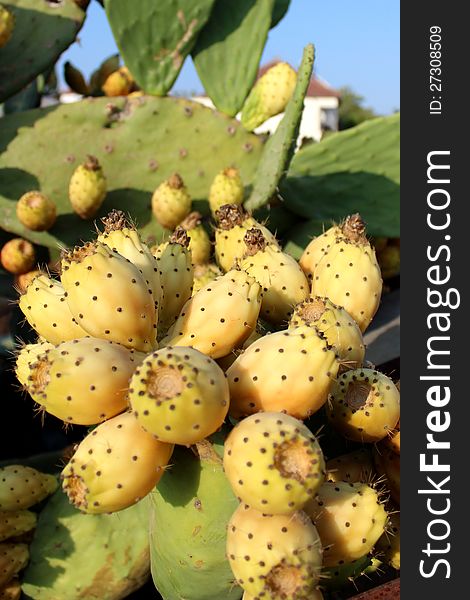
16	522
116	465
350	519
87	188
179	395
282	280
199	243
273	462
82	381
364	405
269	96
108	296
349	275
36	211
171	202
22	487
219	317
45	307
233	222
274	556
226	188
13	558
18	256
289	371
338	327
7	24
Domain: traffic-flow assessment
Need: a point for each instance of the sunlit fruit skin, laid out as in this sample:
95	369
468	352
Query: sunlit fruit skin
18	256
22	487
171	202
354	467
87	188
36	211
226	188
199	242
316	249
115	466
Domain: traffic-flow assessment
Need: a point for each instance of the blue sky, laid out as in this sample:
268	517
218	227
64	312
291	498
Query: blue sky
357	44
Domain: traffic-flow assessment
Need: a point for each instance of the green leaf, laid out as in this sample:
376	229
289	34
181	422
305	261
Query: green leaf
280	9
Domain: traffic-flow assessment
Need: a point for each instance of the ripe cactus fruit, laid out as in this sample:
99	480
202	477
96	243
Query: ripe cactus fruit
226	188
118	83
171	202
273	463
7	24
116	465
22	487
393	441
289	371
87	188
199	242
22	281
44	304
227	361
317	248
13	558
233	223
389	543
220	317
274	556
176	277
36	211
16	522
11	590
108	296
82	381
353	467
349	275
389	261
314	595
387	464
179	395
26	357
269	96
204	274
18	256
350	519
282	280
364	405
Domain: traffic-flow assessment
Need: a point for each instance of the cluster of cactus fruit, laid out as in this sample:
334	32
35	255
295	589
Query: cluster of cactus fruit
156	348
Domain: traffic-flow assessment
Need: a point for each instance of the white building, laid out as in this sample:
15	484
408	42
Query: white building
320	110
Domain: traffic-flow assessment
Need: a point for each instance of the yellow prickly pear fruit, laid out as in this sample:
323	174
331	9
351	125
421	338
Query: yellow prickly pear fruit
75	80
16	522
313	595
282	280
87	188
387	463
36	211
13	558
219	317
7	24
349	275
233	223
108	296
317	248
269	96
350	519
26	357
22	281
171	202
227	188
22	487
393	440
44	304
203	274
176	276
227	361
199	243
389	543
287	371
18	256
11	590
353	467
115	466
363	405
179	395
82	381
274	556
339	328
118	83
389	261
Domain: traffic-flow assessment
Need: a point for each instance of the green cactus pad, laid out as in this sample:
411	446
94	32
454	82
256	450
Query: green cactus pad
357	170
140	144
43	30
155	39
280	147
229	48
78	556
301	234
279	11
190	510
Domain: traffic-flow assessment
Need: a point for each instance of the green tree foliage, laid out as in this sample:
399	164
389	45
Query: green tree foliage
351	110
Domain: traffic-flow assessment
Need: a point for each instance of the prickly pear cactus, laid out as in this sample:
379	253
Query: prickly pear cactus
166	32
190	509
48	27
79	556
159	134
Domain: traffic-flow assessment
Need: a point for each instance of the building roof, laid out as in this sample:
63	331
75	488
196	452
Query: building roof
316	87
